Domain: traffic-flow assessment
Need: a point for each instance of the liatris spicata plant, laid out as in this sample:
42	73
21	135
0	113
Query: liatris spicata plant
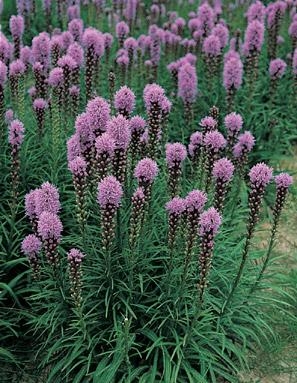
187	89
208	124
282	181
209	223
15	139
56	80
68	65
30	208
109	195
47	199
31	247
76	51
222	173
211	56
233	71
26	57
111	85
78	168
98	111
3	78
214	143
124	101
233	124
94	44
105	148
242	148
275	13
123	64
16	78
130	45
41	50
138	202
74	93
195	149
153	96
137	126
118	129
175	208
75	258
194	203
277	68
16	25
49	229
40	80
122	31
75	27
155	34
175	155
254	38
260	176
256	11
39	107
145	172
56	48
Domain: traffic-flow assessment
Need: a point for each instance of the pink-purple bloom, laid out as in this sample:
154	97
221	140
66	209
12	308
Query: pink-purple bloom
277	68
124	100
254	37
246	142
110	192
56	77
118	129
260	175
49	226
208	123
31	246
75	256
175	154
215	141
16	25
233	123
137	124
98	111
146	170
47	199
3	73
78	166
283	180
105	144
16	133
223	170
212	46
195	201
187	83
176	206
210	221
233	71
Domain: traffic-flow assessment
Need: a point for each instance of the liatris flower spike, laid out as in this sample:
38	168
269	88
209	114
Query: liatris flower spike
175	209
49	230
222	173
233	72
242	148
209	223
75	258
145	172
233	124
39	107
105	148
175	155
118	129
195	148
15	139
109	195
194	203
208	124
16	24
47	199
124	101
277	69
187	89
137	126
31	247
138	203
78	168
153	96
260	176
283	182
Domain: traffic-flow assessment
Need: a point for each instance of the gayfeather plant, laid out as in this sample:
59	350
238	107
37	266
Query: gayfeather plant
187	89
31	247
124	101
75	258
222	173
138	203
105	148
175	155
277	68
40	106
175	208
16	24
109	196
233	72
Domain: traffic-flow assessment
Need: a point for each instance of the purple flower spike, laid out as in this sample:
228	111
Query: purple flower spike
208	124
75	258
105	144
260	175
153	94
146	171
283	180
73	147
78	167
176	206
195	201
124	101
254	37
31	247
56	77
74	255
233	123
118	129
16	25
212	46
233	71
47	199
223	170
210	221
16	133
214	141
49	227
187	83
98	111
277	69
175	154
110	192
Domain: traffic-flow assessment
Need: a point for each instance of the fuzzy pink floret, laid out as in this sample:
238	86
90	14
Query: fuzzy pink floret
212	46
260	175
118	129
47	199
233	71
73	147
233	122
195	201
283	180
31	245
3	73
153	94
98	110
75	255
137	124
146	169
30	203
176	206
124	99
187	83
16	133
214	141
17	68
210	221
78	166
49	226
223	169
105	144
56	77
175	154
17	26
277	68
110	192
